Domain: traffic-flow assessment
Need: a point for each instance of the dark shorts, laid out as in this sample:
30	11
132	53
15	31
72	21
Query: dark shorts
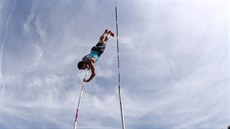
100	48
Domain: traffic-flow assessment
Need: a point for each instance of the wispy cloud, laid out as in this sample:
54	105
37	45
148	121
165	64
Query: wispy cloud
173	59
5	33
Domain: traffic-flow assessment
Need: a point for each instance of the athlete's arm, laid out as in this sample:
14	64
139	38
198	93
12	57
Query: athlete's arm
93	73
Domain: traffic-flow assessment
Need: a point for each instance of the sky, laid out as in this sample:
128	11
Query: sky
173	64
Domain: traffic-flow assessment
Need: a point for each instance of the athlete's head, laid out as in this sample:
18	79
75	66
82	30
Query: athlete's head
82	65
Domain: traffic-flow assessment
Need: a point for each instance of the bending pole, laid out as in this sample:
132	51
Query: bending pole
79	101
118	66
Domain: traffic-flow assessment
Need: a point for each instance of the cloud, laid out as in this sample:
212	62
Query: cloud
5	31
172	57
177	56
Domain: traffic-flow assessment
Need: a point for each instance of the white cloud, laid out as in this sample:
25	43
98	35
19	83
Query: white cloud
173	66
39	52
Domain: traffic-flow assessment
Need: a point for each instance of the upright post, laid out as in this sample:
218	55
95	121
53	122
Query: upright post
119	77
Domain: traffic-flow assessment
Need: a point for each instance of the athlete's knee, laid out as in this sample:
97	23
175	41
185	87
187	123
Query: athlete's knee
102	38
106	38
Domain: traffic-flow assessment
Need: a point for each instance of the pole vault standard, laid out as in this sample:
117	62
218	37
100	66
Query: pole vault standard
79	101
119	76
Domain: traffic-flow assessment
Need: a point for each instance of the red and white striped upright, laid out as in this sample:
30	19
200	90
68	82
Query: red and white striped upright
118	68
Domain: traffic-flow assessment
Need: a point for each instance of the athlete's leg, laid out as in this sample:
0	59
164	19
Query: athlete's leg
105	36
110	33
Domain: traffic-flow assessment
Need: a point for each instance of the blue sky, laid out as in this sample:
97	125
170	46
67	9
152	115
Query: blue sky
173	57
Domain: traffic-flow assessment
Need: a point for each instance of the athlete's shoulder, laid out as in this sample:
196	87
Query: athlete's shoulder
92	60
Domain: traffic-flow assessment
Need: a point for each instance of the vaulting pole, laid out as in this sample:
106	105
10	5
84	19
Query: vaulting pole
119	77
79	101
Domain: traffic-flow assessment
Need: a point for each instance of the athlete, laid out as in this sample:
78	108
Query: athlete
96	51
